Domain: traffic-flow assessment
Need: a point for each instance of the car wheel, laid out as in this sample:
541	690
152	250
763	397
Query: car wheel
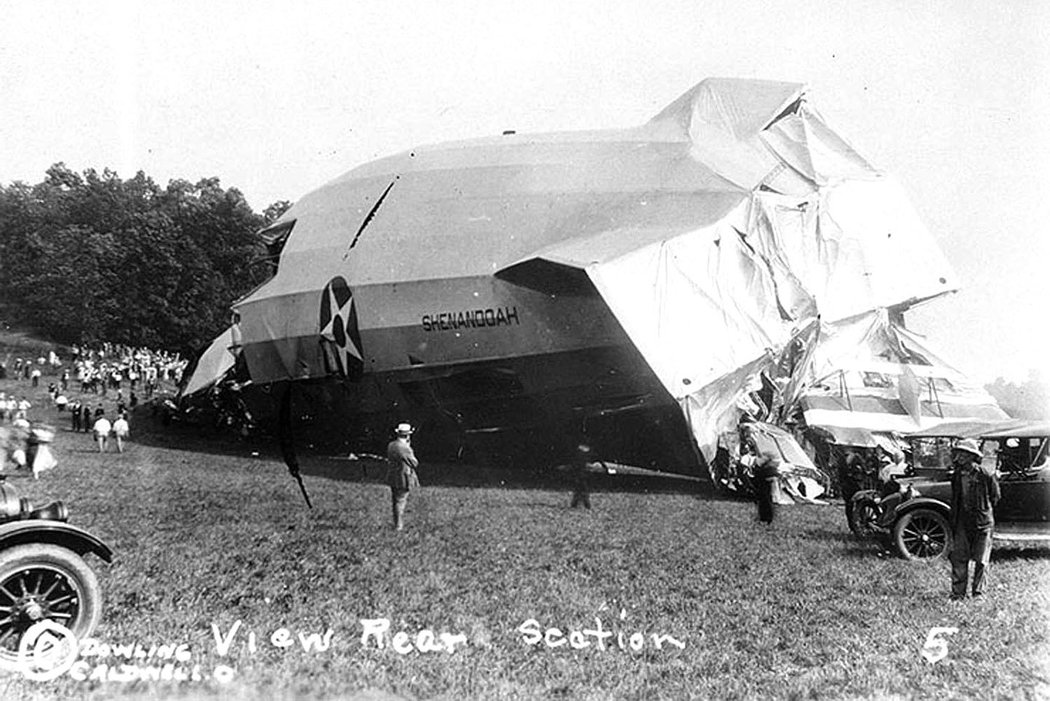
41	582
864	517
923	534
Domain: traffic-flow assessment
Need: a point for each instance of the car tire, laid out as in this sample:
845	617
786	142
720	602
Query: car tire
864	517
923	534
44	582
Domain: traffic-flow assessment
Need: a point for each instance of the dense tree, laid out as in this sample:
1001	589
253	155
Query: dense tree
88	256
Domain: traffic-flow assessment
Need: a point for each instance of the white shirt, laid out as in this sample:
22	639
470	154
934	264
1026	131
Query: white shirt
102	427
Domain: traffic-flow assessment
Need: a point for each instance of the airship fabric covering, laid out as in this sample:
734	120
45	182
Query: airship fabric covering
715	233
869	373
217	360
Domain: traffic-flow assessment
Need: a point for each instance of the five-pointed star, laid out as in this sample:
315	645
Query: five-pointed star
342	314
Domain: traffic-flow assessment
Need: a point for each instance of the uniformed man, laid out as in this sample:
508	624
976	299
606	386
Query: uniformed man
975	492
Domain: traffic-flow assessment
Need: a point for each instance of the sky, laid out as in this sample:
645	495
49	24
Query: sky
277	98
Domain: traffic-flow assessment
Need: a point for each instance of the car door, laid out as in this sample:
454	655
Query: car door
1024	481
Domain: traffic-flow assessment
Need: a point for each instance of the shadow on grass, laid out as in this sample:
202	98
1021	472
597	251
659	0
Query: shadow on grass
826	534
150	431
1027	553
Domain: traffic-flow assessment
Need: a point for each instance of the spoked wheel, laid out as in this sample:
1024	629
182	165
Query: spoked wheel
864	517
44	583
923	534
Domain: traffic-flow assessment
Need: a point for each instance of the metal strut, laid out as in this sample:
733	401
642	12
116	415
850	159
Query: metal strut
284	437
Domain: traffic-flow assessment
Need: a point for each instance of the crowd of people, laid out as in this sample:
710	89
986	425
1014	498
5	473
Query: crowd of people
110	366
80	388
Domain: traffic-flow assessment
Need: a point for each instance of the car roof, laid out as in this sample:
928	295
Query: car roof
1031	429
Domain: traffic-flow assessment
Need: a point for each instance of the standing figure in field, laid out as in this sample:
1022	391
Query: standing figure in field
581	492
767	472
401	471
850	468
764	468
975	492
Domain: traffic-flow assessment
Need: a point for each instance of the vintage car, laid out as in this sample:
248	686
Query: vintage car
43	576
914	518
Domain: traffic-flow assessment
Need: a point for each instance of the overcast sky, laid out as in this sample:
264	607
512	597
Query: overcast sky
277	98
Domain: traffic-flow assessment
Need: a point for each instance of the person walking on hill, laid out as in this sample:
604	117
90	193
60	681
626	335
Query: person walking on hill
121	431
102	429
74	413
975	492
401	471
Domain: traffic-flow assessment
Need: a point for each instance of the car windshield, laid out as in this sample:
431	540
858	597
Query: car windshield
1016	457
1041	462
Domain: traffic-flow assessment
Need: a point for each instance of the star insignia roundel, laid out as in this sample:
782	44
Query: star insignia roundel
340	338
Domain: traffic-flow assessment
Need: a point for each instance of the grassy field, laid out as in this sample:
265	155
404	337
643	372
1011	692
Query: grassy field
216	552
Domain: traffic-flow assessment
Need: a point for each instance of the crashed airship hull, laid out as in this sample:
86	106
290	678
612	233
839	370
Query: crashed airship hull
518	371
593	277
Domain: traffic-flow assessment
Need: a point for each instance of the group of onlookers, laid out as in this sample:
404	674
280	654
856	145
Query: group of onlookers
12	408
109	366
23	441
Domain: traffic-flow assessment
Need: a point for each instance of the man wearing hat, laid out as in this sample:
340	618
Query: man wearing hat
401	471
975	492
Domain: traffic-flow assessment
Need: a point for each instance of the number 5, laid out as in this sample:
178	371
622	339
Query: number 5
936	647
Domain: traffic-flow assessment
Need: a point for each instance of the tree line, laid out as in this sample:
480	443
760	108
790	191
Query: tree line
89	257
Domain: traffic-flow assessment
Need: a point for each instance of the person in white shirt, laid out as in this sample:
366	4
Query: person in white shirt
102	430
121	431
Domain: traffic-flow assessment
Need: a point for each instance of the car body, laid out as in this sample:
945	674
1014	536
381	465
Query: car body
915	518
44	579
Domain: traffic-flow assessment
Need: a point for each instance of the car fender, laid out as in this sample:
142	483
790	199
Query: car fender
921	503
54	532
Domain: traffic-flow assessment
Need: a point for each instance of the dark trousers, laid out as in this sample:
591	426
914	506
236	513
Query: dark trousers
970	543
764	497
580	496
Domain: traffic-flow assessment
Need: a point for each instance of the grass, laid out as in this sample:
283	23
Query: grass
207	533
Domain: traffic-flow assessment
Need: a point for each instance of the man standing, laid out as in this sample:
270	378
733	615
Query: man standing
581	466
766	474
74	411
975	492
401	471
850	470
